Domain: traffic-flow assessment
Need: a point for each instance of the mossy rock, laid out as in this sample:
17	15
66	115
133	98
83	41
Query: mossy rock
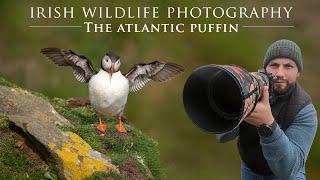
134	153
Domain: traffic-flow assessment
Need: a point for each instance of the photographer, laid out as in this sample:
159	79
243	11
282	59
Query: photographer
275	139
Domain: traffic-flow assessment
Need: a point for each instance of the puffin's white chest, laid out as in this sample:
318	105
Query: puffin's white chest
108	95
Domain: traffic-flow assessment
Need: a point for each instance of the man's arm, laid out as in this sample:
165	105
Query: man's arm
286	152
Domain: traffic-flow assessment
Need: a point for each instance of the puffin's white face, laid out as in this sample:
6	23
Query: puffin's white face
117	65
106	63
111	65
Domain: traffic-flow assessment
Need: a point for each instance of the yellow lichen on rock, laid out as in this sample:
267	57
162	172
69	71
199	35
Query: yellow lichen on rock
77	162
70	164
52	146
90	165
79	145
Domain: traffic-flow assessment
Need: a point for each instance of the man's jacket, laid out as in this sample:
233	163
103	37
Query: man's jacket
284	153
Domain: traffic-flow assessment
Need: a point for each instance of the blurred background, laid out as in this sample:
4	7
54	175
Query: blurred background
186	151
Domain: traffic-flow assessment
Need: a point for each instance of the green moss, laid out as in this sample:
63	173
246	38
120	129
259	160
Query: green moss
4	82
103	175
118	158
4	122
137	145
79	116
15	163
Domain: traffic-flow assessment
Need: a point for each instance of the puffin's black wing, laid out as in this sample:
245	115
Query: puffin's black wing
82	67
141	74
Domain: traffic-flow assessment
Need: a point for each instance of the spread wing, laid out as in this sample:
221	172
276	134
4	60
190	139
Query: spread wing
82	67
140	74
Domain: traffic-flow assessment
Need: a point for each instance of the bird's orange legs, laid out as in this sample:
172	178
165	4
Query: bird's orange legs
101	127
120	126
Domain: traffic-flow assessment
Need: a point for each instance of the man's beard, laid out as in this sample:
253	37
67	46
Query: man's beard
281	86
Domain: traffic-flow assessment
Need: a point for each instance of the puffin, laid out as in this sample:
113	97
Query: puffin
108	88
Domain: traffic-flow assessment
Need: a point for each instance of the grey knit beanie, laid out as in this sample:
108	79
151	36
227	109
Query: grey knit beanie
284	49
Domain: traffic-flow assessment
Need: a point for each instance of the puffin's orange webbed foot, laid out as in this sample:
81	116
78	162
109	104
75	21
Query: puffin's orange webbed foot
120	126
102	127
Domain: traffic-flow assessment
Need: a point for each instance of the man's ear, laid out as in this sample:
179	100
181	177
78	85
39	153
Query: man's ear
298	74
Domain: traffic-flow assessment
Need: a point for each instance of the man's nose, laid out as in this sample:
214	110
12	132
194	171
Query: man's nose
280	72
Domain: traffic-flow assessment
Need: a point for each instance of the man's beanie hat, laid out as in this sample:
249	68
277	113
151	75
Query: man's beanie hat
284	49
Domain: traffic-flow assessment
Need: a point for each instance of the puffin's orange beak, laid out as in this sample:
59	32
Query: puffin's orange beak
111	70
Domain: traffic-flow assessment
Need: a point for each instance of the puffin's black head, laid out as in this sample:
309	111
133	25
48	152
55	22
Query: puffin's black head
110	63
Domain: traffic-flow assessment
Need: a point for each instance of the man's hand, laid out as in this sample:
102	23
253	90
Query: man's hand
262	113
